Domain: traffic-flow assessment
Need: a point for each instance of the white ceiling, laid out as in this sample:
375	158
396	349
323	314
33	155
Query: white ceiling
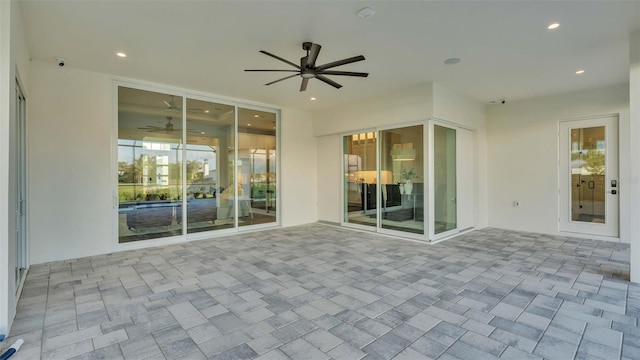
505	47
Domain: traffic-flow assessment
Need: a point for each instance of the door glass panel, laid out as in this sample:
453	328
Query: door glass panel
588	174
149	164
255	193
402	179
210	138
360	178
21	186
444	173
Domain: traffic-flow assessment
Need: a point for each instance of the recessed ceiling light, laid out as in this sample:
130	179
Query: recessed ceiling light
553	26
366	12
256	116
579	72
207	111
452	61
248	124
121	54
313	99
202	132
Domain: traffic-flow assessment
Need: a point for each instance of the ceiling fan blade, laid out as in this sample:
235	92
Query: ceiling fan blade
279	58
328	81
284	78
340	62
276	70
313	55
343	73
303	86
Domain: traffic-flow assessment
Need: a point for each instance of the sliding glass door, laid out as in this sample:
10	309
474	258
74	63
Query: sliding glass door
256	197
384	180
360	179
224	176
444	182
402	179
209	145
149	164
20	171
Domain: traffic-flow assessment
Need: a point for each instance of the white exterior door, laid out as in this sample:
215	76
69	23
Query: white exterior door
589	188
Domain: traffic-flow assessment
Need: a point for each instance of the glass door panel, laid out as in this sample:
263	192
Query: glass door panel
255	193
589	176
209	145
360	179
149	164
20	162
444	179
402	179
588	172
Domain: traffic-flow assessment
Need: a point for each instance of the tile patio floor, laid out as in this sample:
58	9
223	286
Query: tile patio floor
319	292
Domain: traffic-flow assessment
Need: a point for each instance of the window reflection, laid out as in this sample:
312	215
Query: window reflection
588	175
210	137
219	184
149	164
256	167
398	185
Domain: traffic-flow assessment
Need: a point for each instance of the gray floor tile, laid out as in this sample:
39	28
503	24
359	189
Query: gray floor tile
387	346
300	349
346	351
323	340
141	348
428	347
319	291
239	352
483	343
352	335
264	344
599	350
552	348
464	351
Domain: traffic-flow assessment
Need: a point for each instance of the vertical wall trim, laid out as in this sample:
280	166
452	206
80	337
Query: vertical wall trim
634	175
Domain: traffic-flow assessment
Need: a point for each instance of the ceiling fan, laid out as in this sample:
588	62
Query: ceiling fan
308	69
167	128
171	106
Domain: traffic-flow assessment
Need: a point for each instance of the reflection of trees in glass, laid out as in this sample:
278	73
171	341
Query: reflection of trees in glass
595	162
194	170
130	173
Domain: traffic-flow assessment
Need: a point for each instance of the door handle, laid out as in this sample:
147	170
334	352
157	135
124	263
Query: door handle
612	192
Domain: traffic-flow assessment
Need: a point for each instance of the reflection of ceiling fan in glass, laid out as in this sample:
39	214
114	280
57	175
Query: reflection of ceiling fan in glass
167	128
176	108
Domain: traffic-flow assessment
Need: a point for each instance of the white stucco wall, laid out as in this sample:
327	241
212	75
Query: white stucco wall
299	168
329	178
70	154
400	107
523	156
